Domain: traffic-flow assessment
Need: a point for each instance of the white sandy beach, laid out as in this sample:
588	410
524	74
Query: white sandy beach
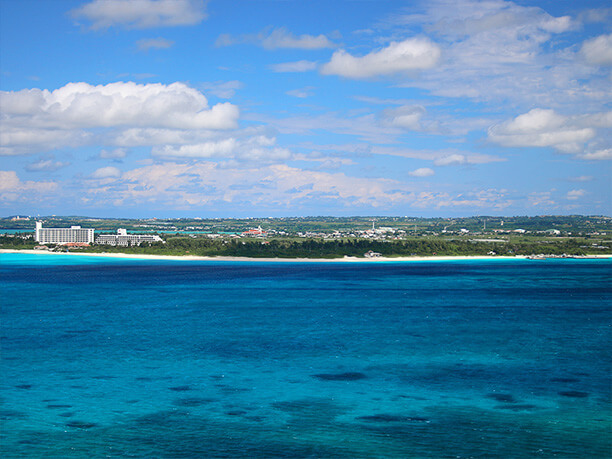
286	260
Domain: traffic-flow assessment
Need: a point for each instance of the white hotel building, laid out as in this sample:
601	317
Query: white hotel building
122	238
74	234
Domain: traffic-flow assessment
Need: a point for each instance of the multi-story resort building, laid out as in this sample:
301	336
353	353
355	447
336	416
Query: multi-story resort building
122	238
74	234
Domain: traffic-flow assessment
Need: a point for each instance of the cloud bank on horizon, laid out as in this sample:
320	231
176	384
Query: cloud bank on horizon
191	108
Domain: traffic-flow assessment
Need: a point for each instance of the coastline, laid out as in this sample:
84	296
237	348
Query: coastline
285	260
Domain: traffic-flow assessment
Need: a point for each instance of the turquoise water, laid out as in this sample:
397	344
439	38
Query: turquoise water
132	358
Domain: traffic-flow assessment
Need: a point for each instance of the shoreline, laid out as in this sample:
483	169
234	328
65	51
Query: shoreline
289	260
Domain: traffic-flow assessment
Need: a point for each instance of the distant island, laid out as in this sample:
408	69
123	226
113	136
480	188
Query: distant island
319	237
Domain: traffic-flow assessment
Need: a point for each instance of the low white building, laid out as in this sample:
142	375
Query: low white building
122	238
74	234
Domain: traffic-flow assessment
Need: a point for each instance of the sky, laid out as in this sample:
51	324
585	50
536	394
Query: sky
251	108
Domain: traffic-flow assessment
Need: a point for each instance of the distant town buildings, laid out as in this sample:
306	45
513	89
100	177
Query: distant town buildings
123	239
63	236
255	232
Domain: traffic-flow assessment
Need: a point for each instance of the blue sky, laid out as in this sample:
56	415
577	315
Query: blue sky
170	108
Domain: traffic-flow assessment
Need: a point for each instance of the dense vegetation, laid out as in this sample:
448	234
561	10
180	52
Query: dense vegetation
319	248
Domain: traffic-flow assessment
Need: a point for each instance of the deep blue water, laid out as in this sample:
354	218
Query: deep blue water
128	358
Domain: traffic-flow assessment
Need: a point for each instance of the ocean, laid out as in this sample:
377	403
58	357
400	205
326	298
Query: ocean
118	358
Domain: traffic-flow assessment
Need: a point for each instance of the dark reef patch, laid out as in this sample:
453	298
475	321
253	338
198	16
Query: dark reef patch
565	380
24	386
229	389
81	424
192	401
180	388
574	394
498	397
235	412
392	418
68	414
517	407
58	406
7	415
348	376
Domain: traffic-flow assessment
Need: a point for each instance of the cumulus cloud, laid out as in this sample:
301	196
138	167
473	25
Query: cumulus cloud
406	116
117	104
451	160
45	165
222	89
503	52
257	148
20	139
543	128
301	93
271	186
279	38
405	56
294	67
153	43
117	153
422	172
105	173
581	178
598	50
141	14
597	155
13	189
69	116
574	195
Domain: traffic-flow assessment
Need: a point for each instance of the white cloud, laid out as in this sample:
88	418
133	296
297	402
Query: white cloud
301	93
581	178
279	38
106	172
118	104
13	189
153	43
141	14
541	199
22	139
273	186
451	160
598	50
295	67
258	148
407	116
598	155
117	153
543	128
41	119
422	172
222	89
502	52
575	194
398	57
45	165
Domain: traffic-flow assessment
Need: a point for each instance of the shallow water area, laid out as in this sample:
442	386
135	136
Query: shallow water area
150	358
